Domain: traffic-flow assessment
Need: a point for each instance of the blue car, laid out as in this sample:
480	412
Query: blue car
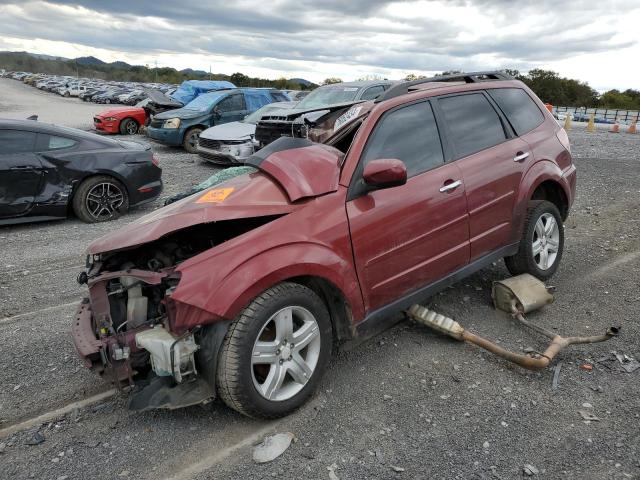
184	125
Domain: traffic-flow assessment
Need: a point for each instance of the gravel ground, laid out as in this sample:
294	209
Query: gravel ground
407	404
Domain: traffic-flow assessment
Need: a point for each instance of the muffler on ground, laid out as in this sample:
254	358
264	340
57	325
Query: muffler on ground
517	296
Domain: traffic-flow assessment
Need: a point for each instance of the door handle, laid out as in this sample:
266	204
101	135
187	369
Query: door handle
450	186
520	156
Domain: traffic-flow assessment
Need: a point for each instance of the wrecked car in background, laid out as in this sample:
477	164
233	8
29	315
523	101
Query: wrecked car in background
183	126
233	142
313	107
47	172
241	291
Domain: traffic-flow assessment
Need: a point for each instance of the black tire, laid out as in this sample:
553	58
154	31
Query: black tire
190	141
235	372
85	207
129	126
525	261
67	94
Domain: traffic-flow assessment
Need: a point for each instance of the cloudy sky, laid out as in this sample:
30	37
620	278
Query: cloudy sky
594	41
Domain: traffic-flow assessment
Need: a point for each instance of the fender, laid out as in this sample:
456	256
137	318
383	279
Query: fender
539	172
266	269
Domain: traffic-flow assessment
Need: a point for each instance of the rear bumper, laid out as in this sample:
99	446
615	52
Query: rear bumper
146	193
569	178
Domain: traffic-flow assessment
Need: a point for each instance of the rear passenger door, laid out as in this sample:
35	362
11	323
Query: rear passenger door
406	237
492	160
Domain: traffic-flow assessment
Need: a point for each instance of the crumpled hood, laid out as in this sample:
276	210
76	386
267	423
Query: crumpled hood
291	169
245	196
183	113
229	131
118	111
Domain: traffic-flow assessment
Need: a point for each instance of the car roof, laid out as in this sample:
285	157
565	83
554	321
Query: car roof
359	83
40	127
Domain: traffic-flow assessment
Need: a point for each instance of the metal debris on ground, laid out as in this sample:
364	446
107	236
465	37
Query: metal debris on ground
587	367
530	470
272	447
625	362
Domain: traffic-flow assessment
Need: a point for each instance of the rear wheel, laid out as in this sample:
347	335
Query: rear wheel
190	142
275	352
542	242
99	199
129	126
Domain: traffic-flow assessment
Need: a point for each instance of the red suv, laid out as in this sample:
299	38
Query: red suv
242	290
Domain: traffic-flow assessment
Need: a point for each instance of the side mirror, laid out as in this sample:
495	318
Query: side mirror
385	173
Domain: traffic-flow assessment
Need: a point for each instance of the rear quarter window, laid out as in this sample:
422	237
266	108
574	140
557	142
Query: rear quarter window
521	111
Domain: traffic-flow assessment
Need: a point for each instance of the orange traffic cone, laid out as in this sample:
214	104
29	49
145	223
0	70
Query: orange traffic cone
591	126
615	128
632	128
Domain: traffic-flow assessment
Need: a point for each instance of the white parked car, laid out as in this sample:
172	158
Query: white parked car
231	143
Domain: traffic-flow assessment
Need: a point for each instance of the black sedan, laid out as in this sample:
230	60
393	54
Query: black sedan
46	171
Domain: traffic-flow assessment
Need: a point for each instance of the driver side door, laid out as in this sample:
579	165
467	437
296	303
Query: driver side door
20	172
406	237
231	108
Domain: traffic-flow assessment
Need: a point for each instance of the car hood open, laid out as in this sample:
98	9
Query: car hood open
290	169
183	113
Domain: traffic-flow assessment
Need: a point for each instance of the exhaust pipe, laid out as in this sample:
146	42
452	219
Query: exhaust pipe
516	295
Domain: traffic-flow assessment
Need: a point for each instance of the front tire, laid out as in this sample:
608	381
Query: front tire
99	199
129	126
190	142
275	352
542	242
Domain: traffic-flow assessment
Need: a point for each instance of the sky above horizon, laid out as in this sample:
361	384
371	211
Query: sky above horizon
592	41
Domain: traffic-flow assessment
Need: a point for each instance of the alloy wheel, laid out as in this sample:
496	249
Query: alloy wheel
546	241
285	353
104	199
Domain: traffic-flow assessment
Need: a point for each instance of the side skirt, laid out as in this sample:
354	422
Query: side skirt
385	317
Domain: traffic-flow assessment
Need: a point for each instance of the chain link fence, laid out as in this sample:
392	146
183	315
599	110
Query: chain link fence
605	115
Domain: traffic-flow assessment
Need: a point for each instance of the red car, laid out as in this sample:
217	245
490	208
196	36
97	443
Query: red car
123	120
241	291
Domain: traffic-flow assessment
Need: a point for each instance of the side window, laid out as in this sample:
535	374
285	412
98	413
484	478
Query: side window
280	97
473	123
372	92
409	134
256	100
55	143
17	141
522	112
232	103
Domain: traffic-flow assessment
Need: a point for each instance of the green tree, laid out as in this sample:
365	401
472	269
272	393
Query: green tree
331	80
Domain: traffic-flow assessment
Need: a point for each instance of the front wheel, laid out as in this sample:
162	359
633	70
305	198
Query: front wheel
129	127
190	142
275	352
542	242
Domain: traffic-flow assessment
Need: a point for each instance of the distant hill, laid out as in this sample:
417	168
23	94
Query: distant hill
89	61
302	81
191	71
92	67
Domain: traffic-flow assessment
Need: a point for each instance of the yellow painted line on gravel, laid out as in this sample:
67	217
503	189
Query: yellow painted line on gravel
215	458
46	417
35	312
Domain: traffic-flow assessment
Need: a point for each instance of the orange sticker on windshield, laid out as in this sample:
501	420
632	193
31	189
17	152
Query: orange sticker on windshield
215	196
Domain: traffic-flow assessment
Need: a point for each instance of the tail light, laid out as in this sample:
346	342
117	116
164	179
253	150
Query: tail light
564	139
155	160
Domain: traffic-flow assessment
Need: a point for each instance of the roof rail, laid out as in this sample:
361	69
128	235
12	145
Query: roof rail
471	77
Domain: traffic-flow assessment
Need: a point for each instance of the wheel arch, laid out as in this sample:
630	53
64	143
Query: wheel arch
553	192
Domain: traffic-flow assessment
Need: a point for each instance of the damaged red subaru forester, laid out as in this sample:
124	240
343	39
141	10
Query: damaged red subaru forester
241	291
